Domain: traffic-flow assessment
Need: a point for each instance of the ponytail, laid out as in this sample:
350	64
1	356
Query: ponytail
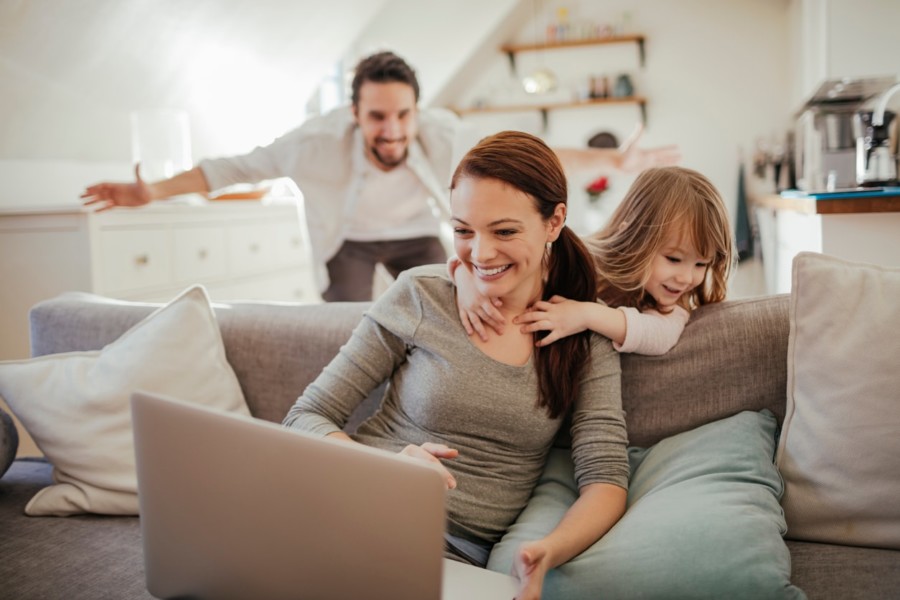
559	366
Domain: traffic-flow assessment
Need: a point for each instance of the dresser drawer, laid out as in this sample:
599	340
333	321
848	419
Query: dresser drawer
253	248
199	253
133	259
290	244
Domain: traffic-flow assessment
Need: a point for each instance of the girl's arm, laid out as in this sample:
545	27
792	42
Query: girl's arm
651	332
475	309
562	317
598	508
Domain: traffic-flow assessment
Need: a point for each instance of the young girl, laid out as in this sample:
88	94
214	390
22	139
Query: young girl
666	250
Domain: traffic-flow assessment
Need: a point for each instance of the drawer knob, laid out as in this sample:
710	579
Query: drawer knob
254	248
202	254
141	260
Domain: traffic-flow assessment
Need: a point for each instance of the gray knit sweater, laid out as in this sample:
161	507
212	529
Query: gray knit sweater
442	388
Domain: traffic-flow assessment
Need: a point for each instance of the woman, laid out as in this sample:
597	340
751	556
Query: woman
487	412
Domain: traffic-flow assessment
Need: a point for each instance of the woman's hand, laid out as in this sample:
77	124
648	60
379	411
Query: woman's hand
431	453
109	195
530	567
559	316
475	309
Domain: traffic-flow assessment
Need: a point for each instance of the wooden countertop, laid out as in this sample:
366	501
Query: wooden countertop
831	206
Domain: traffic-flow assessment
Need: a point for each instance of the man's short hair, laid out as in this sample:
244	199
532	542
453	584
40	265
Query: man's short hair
383	67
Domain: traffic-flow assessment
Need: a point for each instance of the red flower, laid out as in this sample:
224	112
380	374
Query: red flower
598	185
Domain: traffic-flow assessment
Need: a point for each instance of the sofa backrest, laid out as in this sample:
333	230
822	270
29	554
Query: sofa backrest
731	357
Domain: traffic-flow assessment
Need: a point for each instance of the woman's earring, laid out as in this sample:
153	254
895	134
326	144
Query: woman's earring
549	245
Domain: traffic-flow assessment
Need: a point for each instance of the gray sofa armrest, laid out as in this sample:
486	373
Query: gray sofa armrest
276	349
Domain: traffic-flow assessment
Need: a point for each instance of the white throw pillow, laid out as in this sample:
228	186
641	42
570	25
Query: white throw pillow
839	452
76	405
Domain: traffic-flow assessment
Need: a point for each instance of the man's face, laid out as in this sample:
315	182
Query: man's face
386	115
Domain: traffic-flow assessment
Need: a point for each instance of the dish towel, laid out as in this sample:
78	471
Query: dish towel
743	233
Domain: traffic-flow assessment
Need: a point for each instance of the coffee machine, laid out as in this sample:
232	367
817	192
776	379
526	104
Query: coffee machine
876	143
826	133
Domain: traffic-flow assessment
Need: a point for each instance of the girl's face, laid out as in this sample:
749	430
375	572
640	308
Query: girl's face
500	236
676	269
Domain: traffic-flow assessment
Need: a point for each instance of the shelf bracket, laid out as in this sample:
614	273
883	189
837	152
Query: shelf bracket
641	55
512	61
544	118
644	113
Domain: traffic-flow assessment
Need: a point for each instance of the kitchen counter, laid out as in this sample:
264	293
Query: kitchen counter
862	226
833	203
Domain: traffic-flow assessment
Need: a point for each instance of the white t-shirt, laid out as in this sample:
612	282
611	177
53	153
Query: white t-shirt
392	205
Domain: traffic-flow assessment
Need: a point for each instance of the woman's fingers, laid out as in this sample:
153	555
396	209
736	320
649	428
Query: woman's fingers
430	452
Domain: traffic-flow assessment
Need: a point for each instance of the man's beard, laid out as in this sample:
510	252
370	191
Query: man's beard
388	163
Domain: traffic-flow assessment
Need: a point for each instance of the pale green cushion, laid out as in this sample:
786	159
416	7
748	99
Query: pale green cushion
703	521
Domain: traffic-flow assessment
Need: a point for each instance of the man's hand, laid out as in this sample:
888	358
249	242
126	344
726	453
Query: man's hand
634	159
108	195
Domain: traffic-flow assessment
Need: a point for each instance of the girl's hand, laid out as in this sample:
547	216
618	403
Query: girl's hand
530	567
430	453
475	309
559	316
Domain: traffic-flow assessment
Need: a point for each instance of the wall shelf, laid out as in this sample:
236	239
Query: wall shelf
545	107
512	49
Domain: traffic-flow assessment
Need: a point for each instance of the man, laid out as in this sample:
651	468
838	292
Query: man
374	177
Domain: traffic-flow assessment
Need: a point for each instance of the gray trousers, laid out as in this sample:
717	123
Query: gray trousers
352	269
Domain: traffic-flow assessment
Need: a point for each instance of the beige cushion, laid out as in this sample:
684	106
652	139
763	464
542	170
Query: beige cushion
75	405
839	451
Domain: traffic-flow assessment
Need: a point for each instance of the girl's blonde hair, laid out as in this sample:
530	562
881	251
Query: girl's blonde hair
659	202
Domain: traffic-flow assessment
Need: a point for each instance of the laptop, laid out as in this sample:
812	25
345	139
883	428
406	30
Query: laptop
236	507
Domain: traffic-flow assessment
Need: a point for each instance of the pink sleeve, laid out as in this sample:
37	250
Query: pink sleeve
652	332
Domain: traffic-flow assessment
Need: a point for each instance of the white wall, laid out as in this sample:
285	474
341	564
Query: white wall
716	78
436	38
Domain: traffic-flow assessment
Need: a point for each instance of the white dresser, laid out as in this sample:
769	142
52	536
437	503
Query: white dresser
239	250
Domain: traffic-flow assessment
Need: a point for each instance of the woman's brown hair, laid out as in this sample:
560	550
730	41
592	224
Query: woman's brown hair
526	163
662	201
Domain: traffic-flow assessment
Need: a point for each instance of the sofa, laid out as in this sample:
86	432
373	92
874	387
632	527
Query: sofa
276	349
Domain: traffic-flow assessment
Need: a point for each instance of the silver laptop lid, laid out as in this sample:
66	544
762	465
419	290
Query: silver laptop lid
233	507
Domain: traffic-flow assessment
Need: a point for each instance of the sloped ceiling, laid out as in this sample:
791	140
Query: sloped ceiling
70	71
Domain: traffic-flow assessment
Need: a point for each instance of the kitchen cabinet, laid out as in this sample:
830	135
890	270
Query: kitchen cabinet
512	50
832	39
237	250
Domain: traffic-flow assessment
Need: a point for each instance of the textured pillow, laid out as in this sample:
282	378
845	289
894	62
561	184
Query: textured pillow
9	441
75	405
839	452
703	521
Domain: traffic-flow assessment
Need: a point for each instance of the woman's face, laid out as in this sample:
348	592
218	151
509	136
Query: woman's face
500	236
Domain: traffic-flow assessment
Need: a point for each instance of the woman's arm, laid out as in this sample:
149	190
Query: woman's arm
598	508
599	452
367	360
